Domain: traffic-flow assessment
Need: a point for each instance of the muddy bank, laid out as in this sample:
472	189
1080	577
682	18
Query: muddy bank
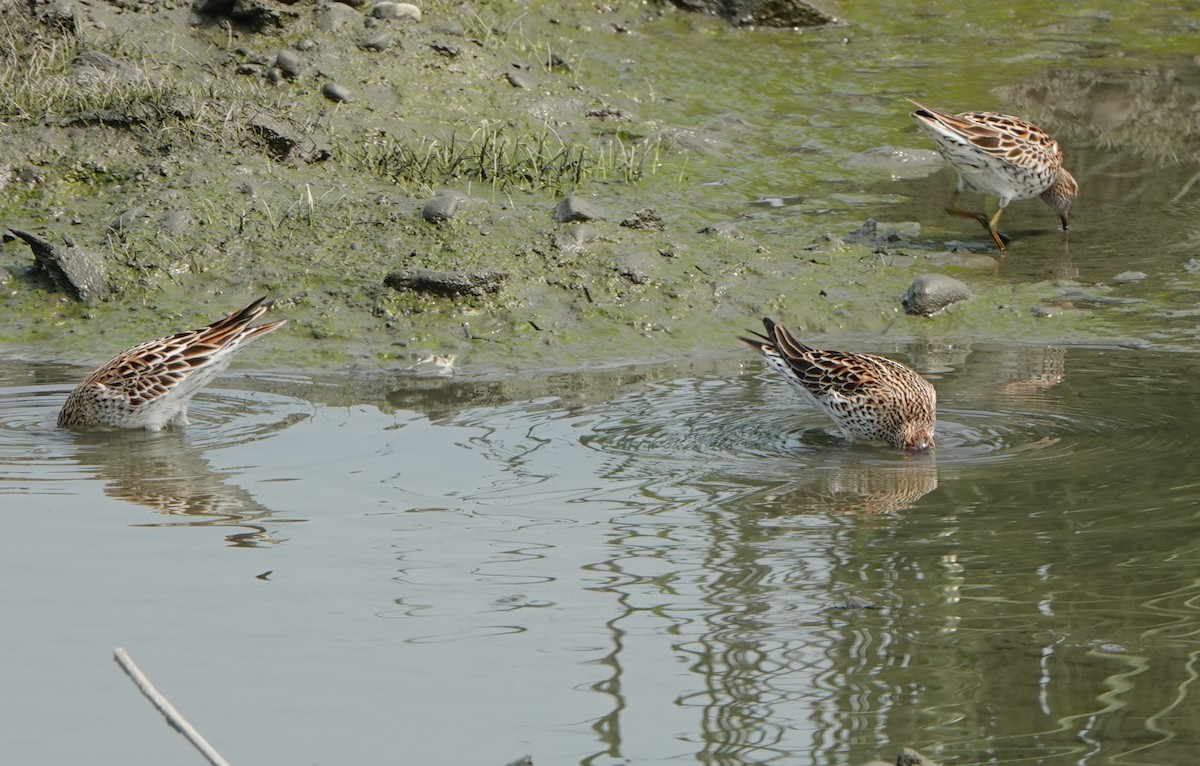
436	183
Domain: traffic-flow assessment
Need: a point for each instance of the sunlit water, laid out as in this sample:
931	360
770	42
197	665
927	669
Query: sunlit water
648	565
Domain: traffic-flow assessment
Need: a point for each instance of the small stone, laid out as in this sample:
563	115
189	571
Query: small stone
575	208
335	92
380	41
290	63
1192	266
931	293
448	50
442	207
306	44
521	79
1129	276
390	10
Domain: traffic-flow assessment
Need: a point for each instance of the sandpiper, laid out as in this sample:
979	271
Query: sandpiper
150	385
869	397
1000	155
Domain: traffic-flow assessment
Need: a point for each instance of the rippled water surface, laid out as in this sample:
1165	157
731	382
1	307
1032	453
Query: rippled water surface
643	565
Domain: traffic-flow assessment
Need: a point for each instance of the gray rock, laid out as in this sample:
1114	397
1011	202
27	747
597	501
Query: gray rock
442	207
1192	266
72	269
519	78
289	62
448	283
332	17
1130	276
379	41
576	238
575	208
175	223
636	267
931	293
335	92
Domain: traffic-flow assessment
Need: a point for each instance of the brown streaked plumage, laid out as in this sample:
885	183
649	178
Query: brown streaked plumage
150	385
869	397
1000	155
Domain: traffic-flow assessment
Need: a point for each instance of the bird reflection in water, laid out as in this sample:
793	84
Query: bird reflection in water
165	472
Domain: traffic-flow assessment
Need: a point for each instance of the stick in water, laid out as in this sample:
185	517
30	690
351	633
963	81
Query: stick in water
173	716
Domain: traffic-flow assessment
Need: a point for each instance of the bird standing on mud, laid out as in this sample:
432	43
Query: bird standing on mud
869	397
150	385
1000	155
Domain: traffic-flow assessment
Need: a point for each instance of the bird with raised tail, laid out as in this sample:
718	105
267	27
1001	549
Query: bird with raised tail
150	385
1003	156
870	398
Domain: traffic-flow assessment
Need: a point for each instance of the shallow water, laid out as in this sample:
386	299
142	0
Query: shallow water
638	565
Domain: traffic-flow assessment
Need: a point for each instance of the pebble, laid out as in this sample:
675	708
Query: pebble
380	41
1130	276
521	79
335	92
289	62
575	208
390	10
931	293
1192	266
442	207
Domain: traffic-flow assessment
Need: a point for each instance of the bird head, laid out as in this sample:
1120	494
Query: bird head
1061	194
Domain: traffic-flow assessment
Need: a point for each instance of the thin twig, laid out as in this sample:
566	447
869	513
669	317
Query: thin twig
173	716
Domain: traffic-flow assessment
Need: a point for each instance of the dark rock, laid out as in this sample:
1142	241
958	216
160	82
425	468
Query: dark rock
575	208
335	92
442	207
930	293
521	79
290	63
448	283
257	15
646	218
762	13
71	269
448	50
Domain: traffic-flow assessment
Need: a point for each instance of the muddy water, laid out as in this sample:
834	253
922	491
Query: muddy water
641	565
